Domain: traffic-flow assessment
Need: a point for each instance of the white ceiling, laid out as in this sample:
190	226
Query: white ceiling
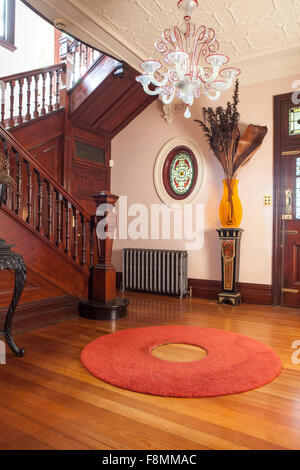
254	33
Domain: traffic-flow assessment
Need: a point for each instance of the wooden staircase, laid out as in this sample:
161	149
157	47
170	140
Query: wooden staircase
49	229
47	214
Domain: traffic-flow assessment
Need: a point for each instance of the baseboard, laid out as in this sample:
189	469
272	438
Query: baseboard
251	293
209	289
41	313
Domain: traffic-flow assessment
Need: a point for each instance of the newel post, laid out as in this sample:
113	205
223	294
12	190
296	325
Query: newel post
104	273
103	303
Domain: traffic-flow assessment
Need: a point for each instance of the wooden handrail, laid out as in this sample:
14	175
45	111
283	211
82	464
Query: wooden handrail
47	176
45	206
31	73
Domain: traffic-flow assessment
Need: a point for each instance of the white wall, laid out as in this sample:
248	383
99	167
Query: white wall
34	39
134	152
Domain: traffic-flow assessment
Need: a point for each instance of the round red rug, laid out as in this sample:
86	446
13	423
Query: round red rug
234	363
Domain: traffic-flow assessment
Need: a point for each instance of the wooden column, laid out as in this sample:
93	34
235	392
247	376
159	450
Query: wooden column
103	303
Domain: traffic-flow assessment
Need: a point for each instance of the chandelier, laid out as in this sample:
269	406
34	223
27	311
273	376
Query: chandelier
191	63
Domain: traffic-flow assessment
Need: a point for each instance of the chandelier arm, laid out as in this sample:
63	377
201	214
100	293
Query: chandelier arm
151	92
170	98
214	97
213	76
155	82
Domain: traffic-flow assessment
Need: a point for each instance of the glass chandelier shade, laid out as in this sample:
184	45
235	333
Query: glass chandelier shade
191	63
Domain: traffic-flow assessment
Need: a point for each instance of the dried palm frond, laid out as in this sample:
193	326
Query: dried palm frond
247	146
223	136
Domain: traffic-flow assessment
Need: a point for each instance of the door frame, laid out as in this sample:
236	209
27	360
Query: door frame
277	200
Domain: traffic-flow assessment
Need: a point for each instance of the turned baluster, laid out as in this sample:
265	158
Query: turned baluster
59	200
36	96
75	234
11	122
74	66
92	242
86	58
50	106
50	232
83	240
43	110
29	193
57	86
10	191
8	155
28	114
19	184
20	117
3	87
40	227
67	227
80	59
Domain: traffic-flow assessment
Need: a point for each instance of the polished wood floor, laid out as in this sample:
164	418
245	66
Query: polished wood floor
49	401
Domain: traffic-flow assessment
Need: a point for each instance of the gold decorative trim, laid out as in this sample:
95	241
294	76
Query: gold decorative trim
290	152
291	291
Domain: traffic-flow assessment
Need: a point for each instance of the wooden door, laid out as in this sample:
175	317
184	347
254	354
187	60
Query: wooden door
286	274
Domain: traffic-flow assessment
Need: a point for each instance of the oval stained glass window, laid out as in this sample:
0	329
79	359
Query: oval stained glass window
180	172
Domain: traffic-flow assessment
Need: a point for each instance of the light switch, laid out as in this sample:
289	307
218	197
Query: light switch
267	200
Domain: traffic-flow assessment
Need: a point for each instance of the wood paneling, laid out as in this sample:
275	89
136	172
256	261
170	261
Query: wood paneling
107	98
36	288
87	178
44	140
50	156
37	132
39	313
48	400
42	257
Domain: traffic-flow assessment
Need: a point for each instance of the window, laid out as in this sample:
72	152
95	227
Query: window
7	24
90	153
294	121
180	172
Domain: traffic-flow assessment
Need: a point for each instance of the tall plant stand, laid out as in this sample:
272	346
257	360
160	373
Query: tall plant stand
15	262
230	239
103	303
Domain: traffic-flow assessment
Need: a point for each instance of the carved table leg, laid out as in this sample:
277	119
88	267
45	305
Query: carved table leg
19	268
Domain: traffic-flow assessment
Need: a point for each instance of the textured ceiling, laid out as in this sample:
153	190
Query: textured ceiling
245	28
262	37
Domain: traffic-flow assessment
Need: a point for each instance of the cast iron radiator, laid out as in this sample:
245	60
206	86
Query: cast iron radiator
157	271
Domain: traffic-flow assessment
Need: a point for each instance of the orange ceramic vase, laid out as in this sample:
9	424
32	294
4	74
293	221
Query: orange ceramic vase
230	211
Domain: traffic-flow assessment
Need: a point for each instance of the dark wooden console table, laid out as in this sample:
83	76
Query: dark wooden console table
15	262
